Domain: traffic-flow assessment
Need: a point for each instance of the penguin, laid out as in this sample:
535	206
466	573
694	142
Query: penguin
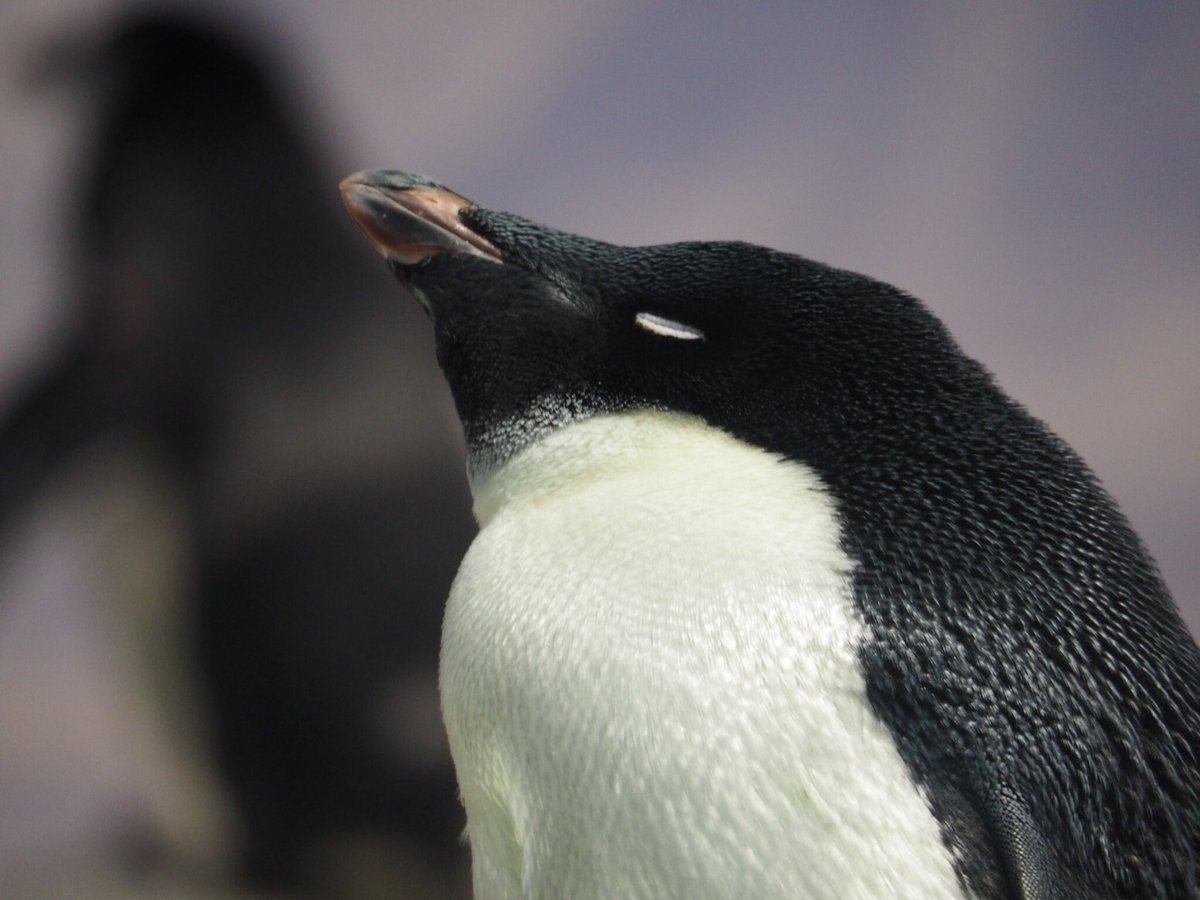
320	505
776	593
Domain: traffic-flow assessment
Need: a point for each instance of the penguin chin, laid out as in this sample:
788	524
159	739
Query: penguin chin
403	273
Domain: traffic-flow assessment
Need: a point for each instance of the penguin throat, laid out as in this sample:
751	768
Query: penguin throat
493	443
570	446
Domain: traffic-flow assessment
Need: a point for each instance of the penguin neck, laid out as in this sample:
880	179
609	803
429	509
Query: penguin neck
586	449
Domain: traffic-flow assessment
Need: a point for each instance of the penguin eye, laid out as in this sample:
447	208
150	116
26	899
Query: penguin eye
669	328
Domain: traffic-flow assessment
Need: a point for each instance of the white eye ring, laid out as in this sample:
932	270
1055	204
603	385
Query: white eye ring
668	327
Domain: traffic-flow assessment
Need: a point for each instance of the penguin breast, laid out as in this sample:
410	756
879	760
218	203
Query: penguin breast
651	680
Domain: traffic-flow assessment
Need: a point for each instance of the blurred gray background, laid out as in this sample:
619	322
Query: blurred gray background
1031	172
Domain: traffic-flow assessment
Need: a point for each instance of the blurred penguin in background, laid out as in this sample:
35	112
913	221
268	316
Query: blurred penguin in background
231	337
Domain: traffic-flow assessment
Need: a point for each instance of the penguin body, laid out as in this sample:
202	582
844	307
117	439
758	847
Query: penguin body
753	528
649	679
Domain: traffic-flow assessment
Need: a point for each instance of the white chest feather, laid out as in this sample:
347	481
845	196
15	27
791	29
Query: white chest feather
650	681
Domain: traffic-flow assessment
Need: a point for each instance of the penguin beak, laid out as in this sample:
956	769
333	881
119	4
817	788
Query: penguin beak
409	220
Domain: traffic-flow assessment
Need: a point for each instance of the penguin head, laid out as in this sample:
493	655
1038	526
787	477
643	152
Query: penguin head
537	327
